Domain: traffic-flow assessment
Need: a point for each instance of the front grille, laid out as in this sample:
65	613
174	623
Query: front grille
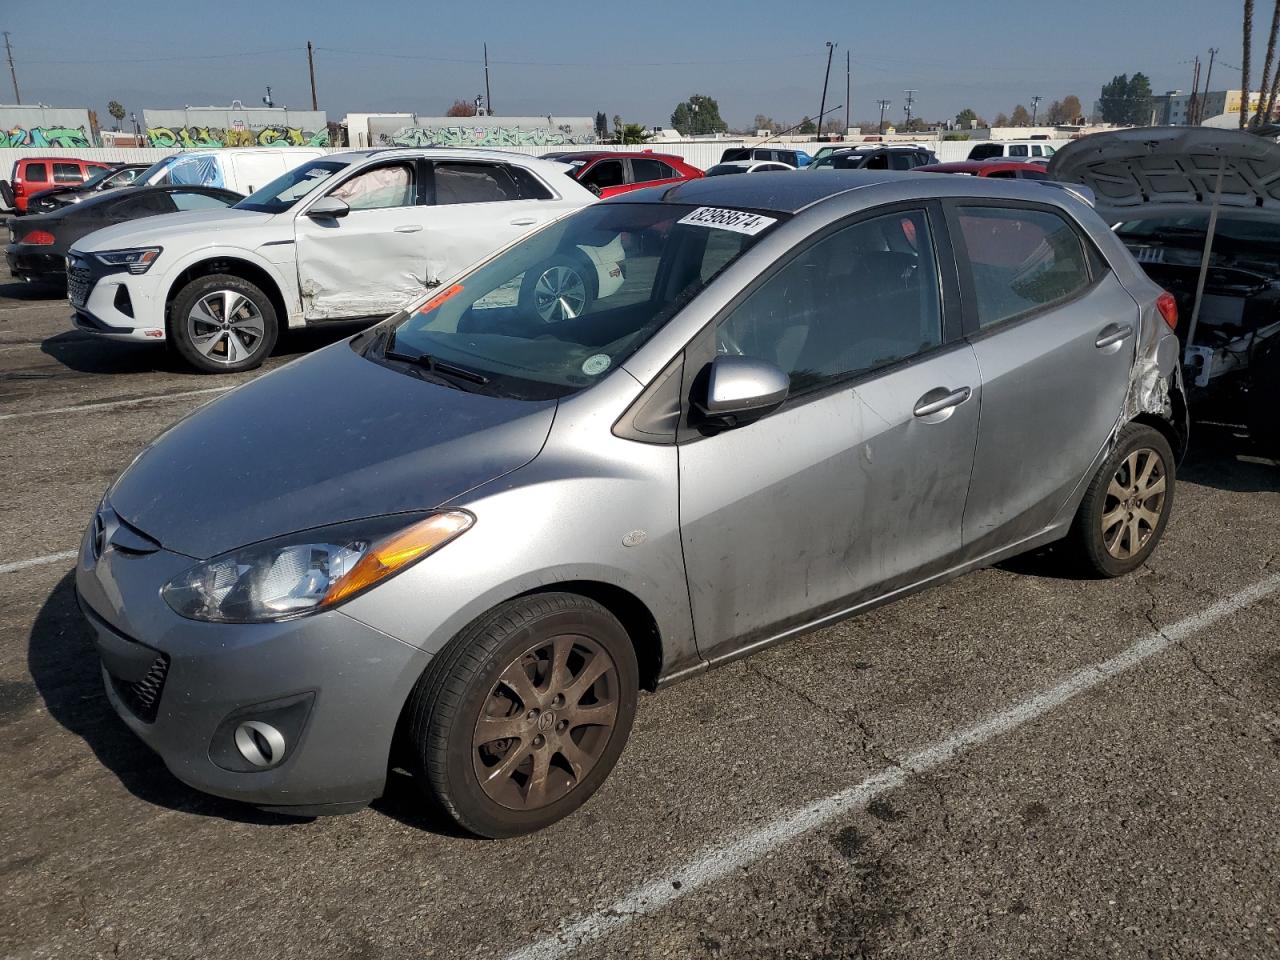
79	283
143	697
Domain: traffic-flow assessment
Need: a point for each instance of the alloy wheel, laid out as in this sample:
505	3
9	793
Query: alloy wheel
546	722
1134	503
559	294
226	327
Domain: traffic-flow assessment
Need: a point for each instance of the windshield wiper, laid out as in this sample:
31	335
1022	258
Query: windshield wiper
434	365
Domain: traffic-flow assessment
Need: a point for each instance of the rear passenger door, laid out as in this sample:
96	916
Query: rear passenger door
477	207
1054	333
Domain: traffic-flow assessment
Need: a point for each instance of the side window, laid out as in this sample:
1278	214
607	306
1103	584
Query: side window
379	188
645	170
1021	260
606	173
1018	150
985	151
528	186
859	299
879	161
1032	174
189	200
1003	174
67	173
1035	150
901	161
473	183
148	204
36	173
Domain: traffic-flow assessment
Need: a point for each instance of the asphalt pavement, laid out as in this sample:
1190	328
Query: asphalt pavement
1017	764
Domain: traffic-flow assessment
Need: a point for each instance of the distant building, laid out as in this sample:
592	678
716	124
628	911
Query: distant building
1174	108
235	126
42	126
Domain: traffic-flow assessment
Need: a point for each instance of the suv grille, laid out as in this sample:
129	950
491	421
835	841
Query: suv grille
79	282
143	697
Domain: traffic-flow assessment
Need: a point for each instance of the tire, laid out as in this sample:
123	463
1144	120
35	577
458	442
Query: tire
201	339
6	194
1127	505
489	788
559	288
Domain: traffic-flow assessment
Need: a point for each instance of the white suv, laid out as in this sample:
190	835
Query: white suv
344	237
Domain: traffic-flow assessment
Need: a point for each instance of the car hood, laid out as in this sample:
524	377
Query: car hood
328	438
152	231
1162	170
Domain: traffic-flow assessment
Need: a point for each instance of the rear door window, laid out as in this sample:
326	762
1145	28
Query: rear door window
67	173
1018	150
985	151
36	173
473	183
1020	260
645	170
148	204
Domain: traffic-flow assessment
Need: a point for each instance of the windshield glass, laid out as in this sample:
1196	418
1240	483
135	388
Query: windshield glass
156	168
98	177
288	188
557	311
1246	244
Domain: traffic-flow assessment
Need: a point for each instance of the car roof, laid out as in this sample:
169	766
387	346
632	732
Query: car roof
593	154
978	167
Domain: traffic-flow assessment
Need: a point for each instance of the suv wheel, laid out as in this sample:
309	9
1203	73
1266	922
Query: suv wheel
1127	505
522	716
222	324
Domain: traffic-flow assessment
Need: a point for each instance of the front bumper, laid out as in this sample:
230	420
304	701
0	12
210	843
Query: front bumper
183	686
114	303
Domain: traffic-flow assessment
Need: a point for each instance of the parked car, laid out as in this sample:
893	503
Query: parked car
112	178
792	158
1157	187
608	174
39	243
747	166
1011	150
242	169
459	542
345	237
1000	169
875	157
34	174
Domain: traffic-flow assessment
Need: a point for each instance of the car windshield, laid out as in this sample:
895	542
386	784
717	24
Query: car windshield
157	168
554	313
290	187
1243	243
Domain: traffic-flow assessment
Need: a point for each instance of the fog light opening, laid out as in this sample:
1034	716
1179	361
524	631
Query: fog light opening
260	743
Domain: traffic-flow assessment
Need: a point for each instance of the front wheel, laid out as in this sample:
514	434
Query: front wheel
522	716
558	289
1127	505
223	324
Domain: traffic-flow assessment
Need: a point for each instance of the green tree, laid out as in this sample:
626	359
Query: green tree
634	133
116	109
807	126
1115	100
966	117
1020	116
602	125
1139	94
698	116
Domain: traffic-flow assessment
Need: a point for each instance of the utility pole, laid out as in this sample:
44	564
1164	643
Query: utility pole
884	105
488	100
822	108
311	68
1213	53
848	88
17	97
1035	109
911	99
1195	94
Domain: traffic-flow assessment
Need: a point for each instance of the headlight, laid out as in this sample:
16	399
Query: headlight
138	261
309	571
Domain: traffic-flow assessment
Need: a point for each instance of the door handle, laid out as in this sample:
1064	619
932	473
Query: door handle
409	228
1112	334
939	400
524	221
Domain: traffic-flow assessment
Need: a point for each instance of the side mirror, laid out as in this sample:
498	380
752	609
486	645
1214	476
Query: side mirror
328	207
740	390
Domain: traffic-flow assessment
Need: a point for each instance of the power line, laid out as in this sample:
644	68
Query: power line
551	63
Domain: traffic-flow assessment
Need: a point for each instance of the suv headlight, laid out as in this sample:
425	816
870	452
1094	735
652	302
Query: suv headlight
309	571
138	260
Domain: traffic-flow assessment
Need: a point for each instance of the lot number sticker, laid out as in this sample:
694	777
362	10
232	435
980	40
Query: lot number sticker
738	221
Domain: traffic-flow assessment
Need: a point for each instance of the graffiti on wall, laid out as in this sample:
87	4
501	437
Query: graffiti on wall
462	136
44	137
272	136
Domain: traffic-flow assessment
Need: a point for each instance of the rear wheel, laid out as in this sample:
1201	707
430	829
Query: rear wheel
222	324
558	289
1127	505
523	715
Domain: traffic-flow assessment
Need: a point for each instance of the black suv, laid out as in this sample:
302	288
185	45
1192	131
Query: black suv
875	158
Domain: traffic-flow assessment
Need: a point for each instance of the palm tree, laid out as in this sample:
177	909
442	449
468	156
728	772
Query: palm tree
1244	65
1268	95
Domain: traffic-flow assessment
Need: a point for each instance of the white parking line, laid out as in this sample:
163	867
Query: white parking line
115	403
718	862
36	561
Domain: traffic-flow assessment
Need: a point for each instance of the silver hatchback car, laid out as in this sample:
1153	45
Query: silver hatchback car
462	541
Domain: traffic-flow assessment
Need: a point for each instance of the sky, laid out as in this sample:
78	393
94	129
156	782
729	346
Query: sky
635	60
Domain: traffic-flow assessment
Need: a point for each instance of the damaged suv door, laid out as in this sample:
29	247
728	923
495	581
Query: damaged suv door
361	248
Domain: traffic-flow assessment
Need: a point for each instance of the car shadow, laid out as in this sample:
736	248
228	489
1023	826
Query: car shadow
1224	457
32	290
65	669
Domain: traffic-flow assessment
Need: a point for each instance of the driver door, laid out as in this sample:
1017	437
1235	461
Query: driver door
371	261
